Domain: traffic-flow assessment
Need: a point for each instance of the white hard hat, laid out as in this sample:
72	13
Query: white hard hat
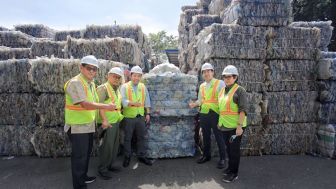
136	69
90	60
207	66
230	70
116	70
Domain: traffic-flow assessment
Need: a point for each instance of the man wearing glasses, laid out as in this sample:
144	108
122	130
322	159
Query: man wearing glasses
80	118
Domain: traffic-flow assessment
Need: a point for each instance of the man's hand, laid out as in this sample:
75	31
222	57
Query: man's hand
147	118
110	107
239	131
105	124
192	104
135	104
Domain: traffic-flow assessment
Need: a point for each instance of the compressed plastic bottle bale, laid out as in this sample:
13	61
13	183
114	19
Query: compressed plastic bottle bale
50	109
17	109
327	113
325	55
324	26
50	75
217	6
14	53
293	43
15	39
258	13
252	141
123	50
288	138
201	21
292	107
327	69
3	28
231	41
164	68
170	137
15	140
14	76
254	101
327	90
251	72
188	7
62	35
36	30
51	142
291	75
327	140
48	48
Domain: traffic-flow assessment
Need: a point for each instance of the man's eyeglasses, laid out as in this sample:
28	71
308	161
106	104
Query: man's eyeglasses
227	76
90	68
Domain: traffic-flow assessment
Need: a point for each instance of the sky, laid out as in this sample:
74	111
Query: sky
151	15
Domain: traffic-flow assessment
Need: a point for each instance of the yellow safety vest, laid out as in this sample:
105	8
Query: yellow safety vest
209	97
139	96
115	98
229	115
76	114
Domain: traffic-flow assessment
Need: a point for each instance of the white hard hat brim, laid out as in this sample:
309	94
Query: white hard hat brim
87	63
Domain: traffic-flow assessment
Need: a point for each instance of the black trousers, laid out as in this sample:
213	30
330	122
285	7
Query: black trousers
138	125
233	150
81	145
207	122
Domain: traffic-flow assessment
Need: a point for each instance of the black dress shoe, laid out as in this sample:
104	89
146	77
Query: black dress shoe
221	164
114	169
145	161
126	161
203	160
105	175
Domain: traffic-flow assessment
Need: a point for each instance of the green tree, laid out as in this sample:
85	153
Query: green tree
159	42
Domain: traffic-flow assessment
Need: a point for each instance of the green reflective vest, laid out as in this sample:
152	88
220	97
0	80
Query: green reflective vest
132	96
209	97
115	98
229	115
76	114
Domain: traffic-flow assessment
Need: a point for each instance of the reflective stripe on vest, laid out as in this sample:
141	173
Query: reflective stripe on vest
212	101
229	115
76	114
132	111
112	116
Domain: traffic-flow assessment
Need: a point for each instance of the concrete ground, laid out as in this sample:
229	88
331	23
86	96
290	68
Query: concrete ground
255	172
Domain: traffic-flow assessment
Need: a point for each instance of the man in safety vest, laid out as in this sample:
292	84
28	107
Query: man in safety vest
209	113
136	109
80	118
232	120
109	93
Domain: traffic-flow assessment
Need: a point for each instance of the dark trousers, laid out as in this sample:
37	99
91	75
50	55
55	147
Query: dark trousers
139	126
233	150
81	145
210	121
